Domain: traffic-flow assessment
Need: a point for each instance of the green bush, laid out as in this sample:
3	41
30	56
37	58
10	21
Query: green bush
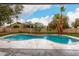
16	26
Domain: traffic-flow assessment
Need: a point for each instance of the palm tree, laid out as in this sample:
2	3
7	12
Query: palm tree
60	22
59	19
62	9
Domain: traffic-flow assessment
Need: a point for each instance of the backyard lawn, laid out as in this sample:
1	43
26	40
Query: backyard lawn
71	34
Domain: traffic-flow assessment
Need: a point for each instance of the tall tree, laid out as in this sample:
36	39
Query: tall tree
30	25
65	22
8	12
17	9
58	17
38	26
60	23
5	13
53	24
76	23
54	21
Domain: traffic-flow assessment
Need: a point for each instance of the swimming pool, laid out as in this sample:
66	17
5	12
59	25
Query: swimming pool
55	38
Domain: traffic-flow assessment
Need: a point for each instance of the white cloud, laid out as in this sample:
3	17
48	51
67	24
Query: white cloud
29	9
43	20
21	20
73	15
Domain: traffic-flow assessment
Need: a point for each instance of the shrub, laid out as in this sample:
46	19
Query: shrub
16	26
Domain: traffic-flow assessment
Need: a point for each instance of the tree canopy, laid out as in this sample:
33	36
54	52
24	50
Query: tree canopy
8	12
76	23
53	23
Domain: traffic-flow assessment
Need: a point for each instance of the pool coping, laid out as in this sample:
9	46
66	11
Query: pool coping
42	35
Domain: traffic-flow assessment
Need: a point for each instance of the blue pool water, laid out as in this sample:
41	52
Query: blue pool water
54	38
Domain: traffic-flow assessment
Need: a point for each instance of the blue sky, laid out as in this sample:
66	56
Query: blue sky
54	9
44	13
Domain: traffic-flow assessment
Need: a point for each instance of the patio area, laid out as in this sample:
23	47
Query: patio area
38	52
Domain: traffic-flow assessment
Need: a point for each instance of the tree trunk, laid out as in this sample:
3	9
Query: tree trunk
61	23
60	26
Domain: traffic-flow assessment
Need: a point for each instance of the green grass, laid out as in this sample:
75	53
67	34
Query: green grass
43	32
3	34
72	34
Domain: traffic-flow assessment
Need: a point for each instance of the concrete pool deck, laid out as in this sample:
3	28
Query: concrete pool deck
37	44
38	52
